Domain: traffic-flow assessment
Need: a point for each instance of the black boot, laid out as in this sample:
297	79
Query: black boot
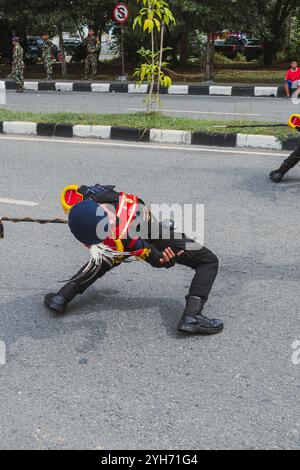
58	302
194	322
277	175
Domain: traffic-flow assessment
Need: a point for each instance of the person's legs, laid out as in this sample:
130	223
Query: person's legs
12	75
46	69
287	88
94	63
289	163
205	264
19	78
87	68
49	68
78	284
294	89
201	259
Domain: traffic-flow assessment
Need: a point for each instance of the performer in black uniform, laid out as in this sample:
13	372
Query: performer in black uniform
289	163
120	243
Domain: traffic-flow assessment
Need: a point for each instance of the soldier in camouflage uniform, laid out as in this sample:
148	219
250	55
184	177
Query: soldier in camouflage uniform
47	55
17	73
91	44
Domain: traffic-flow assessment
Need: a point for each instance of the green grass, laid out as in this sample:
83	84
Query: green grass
275	77
226	72
233	75
145	121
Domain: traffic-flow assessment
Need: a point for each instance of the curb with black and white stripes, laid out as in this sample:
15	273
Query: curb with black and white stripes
201	90
158	136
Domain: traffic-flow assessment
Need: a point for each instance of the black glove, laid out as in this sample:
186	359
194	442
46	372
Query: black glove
155	257
170	264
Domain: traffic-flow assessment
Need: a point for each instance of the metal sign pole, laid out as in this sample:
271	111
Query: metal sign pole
121	15
123	55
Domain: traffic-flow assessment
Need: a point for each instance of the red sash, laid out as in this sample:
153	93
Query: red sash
126	212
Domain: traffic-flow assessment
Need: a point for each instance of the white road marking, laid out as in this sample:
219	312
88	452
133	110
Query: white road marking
17	202
149	146
197	112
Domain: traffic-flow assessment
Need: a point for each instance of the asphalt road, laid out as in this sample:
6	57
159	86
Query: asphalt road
204	107
114	373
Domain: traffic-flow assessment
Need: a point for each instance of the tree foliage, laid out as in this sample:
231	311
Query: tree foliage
268	20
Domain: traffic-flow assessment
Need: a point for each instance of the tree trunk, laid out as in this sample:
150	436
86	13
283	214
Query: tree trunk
172	42
150	94
174	56
210	56
184	48
269	53
99	33
63	56
159	67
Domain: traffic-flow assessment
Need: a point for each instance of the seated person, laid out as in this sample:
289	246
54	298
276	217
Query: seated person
292	79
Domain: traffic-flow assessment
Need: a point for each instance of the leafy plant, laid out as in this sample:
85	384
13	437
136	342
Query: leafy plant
153	17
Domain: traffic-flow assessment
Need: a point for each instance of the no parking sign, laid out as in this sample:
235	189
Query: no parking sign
121	13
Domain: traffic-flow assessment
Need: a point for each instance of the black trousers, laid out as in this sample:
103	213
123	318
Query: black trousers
294	158
198	258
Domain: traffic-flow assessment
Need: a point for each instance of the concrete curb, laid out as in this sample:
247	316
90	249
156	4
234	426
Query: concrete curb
101	87
161	136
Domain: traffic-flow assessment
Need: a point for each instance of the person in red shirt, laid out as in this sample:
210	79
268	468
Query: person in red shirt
292	79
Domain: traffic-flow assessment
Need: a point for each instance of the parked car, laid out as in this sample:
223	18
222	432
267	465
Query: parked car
231	46
71	43
74	48
38	39
31	50
219	42
253	49
79	53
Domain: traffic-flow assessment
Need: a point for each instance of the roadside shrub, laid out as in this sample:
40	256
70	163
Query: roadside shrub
240	58
222	59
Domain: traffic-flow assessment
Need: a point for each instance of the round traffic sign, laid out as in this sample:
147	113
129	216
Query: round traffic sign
121	13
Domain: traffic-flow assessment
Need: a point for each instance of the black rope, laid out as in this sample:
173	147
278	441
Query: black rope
250	126
37	221
28	219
